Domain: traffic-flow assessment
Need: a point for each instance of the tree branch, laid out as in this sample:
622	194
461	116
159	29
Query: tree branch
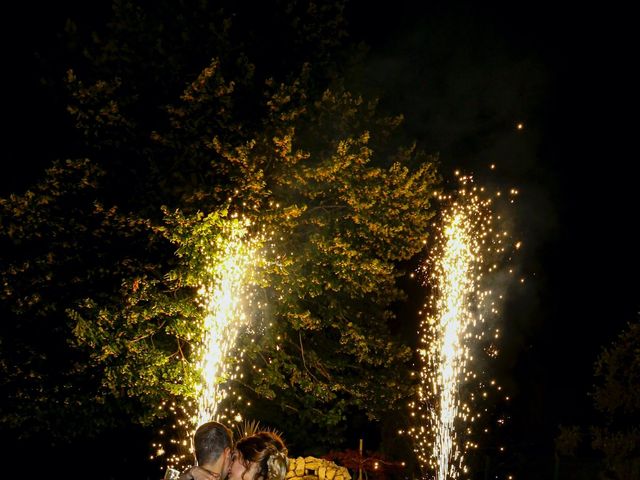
304	363
150	334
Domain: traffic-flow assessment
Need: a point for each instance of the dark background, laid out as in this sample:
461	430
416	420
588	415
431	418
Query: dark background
464	75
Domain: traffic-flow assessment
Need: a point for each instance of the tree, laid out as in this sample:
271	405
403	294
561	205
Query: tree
615	396
342	225
57	239
567	443
174	159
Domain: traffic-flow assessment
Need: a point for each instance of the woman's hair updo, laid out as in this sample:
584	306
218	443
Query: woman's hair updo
267	450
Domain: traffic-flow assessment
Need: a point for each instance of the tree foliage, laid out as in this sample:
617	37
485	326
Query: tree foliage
616	397
188	126
61	245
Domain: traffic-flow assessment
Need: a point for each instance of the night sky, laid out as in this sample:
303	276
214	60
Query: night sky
465	76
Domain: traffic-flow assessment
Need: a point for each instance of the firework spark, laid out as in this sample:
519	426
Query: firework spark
223	299
454	270
231	262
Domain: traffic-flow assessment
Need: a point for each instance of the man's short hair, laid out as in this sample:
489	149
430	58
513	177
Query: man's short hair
210	440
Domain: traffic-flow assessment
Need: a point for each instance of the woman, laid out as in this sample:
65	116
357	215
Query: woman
261	456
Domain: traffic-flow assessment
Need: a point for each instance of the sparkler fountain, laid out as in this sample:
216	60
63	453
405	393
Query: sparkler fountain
455	317
223	299
230	261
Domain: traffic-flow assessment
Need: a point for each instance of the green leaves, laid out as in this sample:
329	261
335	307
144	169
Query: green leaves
190	134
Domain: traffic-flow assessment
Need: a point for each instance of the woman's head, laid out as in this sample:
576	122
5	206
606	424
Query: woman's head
262	456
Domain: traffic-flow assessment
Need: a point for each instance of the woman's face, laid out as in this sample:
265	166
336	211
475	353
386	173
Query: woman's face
238	471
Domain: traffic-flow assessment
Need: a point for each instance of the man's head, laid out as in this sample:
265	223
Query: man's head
212	440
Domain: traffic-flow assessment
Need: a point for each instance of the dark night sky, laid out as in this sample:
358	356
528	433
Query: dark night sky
464	76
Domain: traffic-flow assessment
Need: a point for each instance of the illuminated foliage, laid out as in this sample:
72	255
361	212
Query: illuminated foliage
181	145
61	246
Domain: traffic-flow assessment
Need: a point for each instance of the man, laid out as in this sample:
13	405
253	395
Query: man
213	443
